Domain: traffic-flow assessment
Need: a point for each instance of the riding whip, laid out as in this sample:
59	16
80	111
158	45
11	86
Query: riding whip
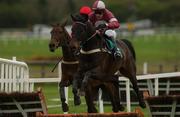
56	64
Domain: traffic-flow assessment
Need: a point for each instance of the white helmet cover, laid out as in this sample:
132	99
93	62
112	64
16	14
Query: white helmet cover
98	5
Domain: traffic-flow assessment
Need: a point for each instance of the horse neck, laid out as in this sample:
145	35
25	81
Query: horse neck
94	43
66	50
67	53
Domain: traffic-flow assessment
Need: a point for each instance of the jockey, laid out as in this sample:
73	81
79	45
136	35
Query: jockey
102	18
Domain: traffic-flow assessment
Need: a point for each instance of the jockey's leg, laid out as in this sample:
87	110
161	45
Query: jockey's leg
112	35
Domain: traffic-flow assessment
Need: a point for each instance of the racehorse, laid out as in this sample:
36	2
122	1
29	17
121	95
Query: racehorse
95	61
69	65
60	38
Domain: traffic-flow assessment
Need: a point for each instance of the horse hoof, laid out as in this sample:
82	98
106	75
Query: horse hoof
77	101
92	111
121	108
115	110
65	107
81	93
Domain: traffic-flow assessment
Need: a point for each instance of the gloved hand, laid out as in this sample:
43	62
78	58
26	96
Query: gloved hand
101	26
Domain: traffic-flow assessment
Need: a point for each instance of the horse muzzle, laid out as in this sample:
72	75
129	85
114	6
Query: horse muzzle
52	47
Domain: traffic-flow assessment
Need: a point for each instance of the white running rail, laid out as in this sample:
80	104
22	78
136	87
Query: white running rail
14	76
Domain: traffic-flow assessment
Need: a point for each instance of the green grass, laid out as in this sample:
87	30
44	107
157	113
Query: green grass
26	49
159	48
152	49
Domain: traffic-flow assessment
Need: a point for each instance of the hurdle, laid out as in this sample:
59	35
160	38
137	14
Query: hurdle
164	105
18	104
14	76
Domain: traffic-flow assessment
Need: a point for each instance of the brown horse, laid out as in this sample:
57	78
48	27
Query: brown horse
61	38
95	61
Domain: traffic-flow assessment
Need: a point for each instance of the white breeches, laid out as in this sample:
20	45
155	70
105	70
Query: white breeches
111	33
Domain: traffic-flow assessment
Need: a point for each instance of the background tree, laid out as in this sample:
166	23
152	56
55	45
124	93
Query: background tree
22	13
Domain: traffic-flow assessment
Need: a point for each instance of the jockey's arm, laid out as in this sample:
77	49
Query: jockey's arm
113	24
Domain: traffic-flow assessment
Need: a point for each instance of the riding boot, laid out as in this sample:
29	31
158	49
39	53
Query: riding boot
116	51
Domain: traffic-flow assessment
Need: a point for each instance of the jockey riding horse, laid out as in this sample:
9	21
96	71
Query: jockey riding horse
105	24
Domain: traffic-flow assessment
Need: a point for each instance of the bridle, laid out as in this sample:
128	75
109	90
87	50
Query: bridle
65	37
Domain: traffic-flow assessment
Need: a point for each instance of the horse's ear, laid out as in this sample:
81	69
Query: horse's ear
73	17
64	23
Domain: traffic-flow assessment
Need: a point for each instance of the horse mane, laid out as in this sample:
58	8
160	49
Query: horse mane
67	34
80	18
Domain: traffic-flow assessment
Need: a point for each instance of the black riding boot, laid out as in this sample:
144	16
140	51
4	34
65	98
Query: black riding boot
116	51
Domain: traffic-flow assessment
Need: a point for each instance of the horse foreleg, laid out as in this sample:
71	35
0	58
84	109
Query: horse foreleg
77	100
114	96
63	98
89	99
117	96
84	83
75	86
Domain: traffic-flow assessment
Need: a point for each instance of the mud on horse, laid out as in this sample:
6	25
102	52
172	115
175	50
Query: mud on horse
94	62
61	38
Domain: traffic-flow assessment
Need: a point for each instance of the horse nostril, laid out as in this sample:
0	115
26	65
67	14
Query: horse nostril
73	49
51	45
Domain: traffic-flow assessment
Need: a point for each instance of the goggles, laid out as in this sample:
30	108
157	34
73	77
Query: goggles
100	12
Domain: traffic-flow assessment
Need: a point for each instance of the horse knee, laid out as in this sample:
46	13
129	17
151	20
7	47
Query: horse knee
86	80
74	90
64	83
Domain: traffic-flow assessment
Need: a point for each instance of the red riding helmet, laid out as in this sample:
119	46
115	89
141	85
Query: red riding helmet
85	10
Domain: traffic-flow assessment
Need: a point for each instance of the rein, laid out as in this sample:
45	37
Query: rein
82	43
64	62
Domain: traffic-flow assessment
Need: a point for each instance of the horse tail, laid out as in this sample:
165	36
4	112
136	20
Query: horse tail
130	46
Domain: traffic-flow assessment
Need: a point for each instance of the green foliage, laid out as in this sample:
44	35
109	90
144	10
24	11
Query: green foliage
21	13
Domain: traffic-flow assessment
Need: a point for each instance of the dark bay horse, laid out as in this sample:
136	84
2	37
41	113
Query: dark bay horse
60	38
69	65
96	62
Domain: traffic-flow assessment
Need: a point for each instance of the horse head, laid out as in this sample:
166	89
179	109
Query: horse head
82	30
59	36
